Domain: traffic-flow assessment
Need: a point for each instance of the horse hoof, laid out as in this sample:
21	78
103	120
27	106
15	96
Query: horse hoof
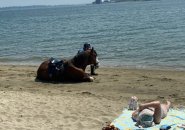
91	79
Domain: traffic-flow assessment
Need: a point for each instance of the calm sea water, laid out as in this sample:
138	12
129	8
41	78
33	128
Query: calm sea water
131	34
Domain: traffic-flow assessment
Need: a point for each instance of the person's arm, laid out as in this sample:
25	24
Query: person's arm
135	114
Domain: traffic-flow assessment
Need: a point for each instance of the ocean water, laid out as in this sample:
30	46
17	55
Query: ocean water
145	34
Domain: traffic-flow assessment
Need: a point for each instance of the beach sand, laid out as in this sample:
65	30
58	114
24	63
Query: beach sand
28	104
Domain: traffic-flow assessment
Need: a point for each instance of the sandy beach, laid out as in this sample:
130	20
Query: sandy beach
27	104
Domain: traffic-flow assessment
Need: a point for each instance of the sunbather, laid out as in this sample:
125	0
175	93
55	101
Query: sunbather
155	109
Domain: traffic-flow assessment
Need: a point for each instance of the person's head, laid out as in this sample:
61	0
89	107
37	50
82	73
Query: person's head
145	121
86	46
145	118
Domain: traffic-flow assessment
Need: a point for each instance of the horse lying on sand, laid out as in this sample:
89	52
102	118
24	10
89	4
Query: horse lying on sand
68	70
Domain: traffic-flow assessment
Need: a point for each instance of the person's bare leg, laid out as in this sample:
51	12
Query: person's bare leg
157	112
165	108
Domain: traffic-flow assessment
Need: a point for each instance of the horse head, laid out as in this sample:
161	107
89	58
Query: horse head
88	57
93	59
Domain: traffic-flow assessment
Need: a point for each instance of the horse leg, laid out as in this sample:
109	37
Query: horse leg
77	74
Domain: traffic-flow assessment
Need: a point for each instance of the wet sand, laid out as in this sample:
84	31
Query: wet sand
29	104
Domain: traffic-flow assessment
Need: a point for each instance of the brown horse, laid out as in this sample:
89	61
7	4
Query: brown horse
72	70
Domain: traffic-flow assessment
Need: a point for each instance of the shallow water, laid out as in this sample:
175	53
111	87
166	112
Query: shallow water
134	34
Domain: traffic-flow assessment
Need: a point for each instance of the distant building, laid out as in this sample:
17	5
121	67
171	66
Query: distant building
101	1
106	1
98	2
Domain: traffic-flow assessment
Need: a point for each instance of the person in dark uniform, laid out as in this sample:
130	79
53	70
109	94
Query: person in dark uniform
87	46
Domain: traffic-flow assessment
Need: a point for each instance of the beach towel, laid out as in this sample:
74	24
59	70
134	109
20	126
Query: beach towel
125	122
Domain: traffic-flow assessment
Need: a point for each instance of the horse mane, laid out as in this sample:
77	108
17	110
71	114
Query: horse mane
78	60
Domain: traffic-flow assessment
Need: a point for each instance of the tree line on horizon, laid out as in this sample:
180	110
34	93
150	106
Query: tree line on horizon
114	1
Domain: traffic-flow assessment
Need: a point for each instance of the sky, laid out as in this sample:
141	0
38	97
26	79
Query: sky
7	3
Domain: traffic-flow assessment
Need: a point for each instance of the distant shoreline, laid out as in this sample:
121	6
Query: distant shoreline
118	1
66	5
39	6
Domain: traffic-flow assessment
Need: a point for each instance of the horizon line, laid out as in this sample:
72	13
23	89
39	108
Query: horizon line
43	5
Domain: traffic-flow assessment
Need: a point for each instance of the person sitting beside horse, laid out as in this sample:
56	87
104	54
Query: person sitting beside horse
68	70
86	47
150	112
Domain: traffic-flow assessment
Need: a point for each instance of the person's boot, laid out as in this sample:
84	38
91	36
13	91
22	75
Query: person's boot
93	70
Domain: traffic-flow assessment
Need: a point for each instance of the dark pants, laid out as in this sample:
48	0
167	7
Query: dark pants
93	70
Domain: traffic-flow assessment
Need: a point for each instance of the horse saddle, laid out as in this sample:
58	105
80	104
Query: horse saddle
56	67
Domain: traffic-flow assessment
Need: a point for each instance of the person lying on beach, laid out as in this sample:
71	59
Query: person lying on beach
150	112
